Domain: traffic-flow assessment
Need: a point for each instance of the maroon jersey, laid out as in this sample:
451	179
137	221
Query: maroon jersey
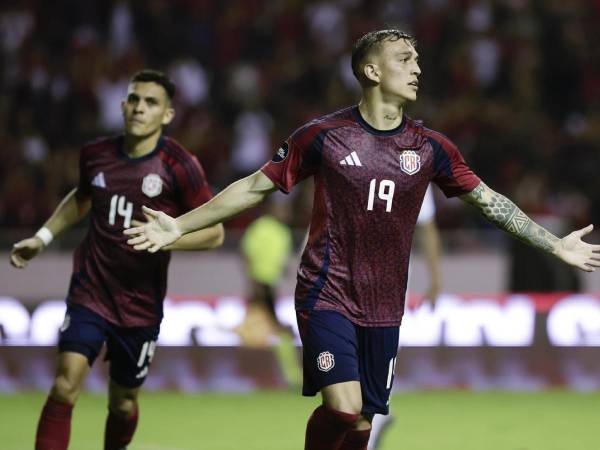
124	285
369	186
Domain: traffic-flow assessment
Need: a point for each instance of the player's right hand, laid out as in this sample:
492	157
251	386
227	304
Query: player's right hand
160	231
25	250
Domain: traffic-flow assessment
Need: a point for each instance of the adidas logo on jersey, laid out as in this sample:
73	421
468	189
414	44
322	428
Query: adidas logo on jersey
98	180
351	160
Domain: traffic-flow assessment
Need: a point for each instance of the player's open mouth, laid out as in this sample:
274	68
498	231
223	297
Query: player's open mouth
415	84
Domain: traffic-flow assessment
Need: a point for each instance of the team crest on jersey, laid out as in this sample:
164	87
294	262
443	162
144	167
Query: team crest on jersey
281	153
325	361
152	185
410	162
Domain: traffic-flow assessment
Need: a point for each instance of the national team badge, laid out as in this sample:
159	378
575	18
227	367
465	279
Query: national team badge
325	361
410	162
152	185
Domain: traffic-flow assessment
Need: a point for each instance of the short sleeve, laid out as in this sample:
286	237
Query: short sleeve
193	189
297	158
451	172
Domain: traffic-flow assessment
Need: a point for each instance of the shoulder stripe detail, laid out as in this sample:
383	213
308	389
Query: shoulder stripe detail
169	168
441	160
170	161
315	154
179	155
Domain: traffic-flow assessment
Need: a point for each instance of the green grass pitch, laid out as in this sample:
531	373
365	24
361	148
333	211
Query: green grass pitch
554	420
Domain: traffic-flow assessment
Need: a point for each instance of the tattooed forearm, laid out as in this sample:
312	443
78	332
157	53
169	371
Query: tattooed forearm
476	195
507	216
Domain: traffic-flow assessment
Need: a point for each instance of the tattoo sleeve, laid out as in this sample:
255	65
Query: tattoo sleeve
507	216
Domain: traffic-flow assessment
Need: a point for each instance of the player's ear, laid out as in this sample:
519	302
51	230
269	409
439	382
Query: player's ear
371	72
168	116
123	102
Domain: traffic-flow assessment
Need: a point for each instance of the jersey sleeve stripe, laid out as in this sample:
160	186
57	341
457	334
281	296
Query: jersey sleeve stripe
174	181
315	154
441	160
184	162
315	290
192	175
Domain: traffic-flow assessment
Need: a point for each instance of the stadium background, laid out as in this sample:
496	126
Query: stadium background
515	83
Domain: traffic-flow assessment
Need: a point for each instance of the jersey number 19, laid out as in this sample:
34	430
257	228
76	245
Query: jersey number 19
385	192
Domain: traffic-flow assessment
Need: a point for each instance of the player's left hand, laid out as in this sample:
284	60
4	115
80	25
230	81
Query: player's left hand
25	250
572	250
160	231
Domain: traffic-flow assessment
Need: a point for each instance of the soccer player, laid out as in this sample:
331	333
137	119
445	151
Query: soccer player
267	247
428	238
116	294
371	166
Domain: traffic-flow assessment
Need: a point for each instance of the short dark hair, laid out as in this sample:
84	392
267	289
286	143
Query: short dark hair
363	46
155	76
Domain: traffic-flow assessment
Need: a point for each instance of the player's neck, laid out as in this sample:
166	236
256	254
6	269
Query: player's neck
136	147
380	115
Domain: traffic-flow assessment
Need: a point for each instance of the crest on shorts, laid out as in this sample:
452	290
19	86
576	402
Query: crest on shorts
152	185
325	361
410	162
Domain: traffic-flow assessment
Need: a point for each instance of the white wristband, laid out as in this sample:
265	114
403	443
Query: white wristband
45	235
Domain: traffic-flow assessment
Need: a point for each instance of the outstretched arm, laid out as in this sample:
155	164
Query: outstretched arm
205	239
237	197
71	210
507	216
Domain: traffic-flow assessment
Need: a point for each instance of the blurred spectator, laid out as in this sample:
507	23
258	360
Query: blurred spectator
191	80
535	271
516	83
109	92
266	248
121	34
251	143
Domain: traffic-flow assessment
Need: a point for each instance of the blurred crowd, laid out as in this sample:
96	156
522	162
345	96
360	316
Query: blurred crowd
515	83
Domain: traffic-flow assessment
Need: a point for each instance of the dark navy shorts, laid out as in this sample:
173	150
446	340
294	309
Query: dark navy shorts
336	350
129	350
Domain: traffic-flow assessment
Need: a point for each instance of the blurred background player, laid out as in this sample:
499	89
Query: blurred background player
428	239
115	295
266	248
352	279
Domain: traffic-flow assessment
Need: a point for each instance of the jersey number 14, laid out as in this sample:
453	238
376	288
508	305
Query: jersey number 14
385	193
119	205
